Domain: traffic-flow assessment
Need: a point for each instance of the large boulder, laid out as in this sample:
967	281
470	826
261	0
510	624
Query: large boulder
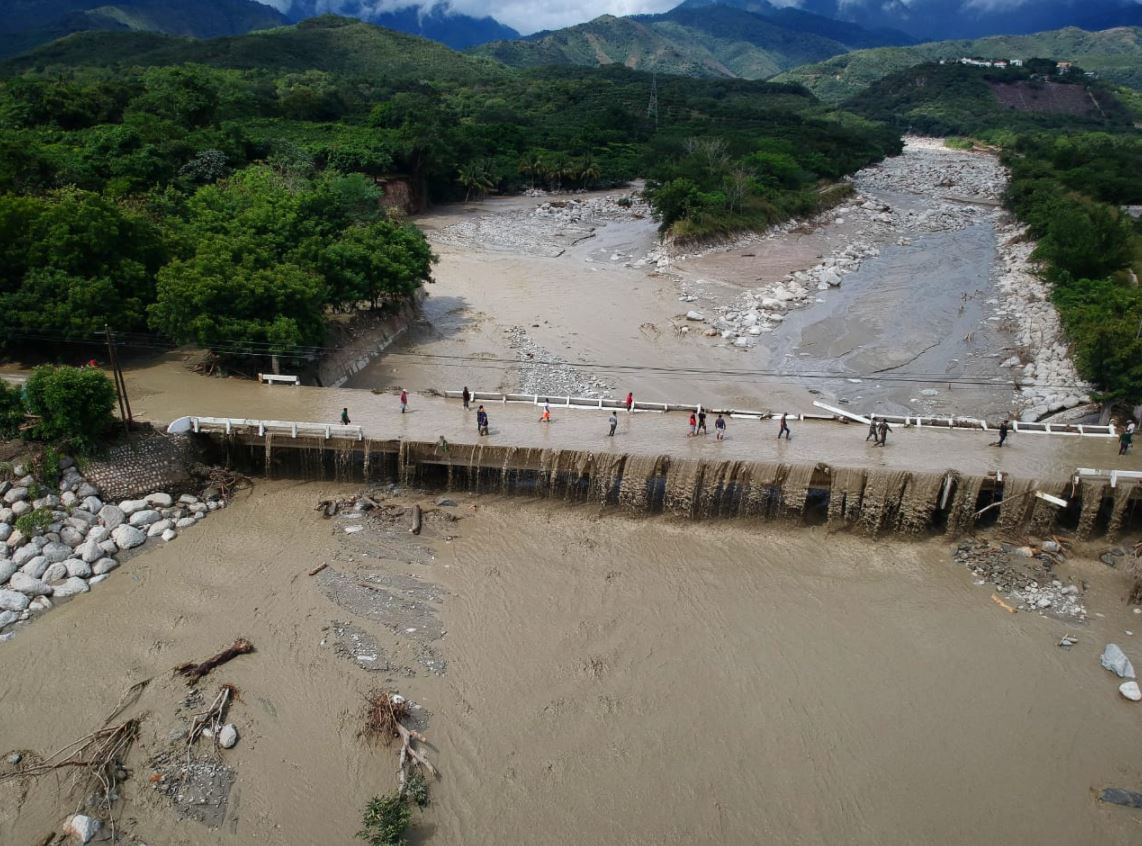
145	517
12	600
1131	691
7	618
15	495
78	567
70	587
90	551
128	537
104	566
98	534
92	504
55	572
70	536
25	554
28	586
7	568
5	531
36	567
156	529
1115	660
159	500
130	506
112	516
56	551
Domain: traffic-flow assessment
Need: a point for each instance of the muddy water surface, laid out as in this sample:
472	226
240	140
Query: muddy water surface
608	680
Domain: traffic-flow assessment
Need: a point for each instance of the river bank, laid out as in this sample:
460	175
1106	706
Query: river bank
879	678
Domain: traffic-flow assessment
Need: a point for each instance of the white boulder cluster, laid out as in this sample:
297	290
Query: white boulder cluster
75	546
1046	375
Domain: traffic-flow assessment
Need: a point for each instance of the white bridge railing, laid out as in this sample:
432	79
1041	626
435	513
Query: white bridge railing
919	421
292	429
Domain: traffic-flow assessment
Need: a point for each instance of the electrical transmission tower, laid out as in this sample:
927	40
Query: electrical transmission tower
652	106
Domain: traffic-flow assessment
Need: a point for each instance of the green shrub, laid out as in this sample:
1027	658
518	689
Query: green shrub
34	522
11	410
386	821
418	789
73	405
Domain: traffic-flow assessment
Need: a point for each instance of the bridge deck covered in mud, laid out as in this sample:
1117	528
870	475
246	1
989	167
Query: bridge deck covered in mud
870	499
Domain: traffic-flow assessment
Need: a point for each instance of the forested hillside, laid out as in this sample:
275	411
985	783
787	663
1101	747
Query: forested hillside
233	182
1115	55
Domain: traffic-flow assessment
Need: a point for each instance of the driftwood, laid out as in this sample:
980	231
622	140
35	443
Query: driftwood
194	672
317	569
383	716
417	519
212	718
328	507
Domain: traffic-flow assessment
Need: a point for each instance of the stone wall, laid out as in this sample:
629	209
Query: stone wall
149	461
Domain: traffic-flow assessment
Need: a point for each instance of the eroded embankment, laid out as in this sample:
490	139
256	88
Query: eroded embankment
872	501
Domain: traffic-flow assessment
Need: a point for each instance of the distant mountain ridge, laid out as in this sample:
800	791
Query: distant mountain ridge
750	40
1115	55
440	21
25	24
931	20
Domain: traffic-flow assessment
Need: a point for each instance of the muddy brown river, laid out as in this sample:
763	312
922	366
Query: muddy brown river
607	679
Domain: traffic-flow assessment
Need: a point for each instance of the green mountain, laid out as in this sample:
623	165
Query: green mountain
1115	55
336	45
709	41
24	24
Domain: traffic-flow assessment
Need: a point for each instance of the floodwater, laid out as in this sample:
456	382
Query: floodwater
608	680
917	311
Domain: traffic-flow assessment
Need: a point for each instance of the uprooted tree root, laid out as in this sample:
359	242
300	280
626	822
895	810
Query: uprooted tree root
383	720
97	760
194	672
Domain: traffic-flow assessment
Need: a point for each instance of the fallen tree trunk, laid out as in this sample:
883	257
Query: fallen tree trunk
194	672
417	519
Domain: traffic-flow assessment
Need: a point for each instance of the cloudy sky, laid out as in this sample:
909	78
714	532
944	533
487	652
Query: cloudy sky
527	16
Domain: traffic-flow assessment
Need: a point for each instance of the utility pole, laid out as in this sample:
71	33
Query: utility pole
120	382
652	106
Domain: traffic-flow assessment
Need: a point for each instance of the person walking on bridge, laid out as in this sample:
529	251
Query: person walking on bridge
702	423
693	424
481	421
345	417
882	430
403	400
784	430
872	435
630	401
467	397
1124	440
1004	428
545	417
614	421
720	427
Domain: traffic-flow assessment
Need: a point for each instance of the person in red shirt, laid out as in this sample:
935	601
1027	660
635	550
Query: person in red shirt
403	400
630	401
693	424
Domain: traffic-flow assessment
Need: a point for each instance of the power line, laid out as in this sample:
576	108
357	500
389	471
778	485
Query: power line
260	349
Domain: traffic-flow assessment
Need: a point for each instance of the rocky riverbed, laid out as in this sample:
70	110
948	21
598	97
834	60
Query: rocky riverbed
59	539
929	190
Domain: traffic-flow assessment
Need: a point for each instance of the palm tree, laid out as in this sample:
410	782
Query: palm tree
475	176
589	172
531	165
